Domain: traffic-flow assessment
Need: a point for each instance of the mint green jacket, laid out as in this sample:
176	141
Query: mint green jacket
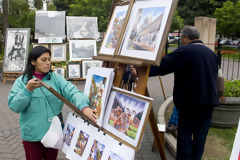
35	107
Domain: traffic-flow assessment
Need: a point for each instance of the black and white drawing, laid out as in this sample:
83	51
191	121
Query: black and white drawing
50	24
87	64
59	69
82	27
58	52
74	71
82	49
16	49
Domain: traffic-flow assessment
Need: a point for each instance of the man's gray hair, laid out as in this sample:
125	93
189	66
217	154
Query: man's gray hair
191	32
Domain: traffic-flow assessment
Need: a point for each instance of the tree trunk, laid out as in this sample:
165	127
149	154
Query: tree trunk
5	18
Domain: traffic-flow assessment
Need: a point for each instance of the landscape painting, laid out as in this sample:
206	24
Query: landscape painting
87	64
58	52
74	71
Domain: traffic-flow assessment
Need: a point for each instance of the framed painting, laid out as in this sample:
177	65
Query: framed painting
73	71
39	44
60	70
146	34
113	31
82	49
50	24
87	64
16	49
58	52
82	27
126	115
97	88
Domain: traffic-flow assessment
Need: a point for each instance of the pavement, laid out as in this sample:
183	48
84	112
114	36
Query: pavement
11	147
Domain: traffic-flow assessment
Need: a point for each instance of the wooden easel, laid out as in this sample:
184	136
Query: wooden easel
12	76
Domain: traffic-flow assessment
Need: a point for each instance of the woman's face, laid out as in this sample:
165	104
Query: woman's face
42	64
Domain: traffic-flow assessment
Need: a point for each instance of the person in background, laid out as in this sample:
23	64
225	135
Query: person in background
37	105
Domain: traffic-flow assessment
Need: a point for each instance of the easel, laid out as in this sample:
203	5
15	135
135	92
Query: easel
10	76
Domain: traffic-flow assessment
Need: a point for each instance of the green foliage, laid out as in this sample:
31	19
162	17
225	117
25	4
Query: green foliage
51	7
232	88
177	23
228	19
38	4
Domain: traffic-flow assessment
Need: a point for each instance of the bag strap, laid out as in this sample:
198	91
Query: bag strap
48	102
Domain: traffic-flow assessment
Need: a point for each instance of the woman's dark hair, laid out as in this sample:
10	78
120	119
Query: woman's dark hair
33	56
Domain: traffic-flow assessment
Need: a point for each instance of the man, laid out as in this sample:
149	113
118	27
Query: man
195	69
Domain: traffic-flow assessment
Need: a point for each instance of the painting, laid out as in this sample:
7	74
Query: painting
146	30
96	151
50	24
69	135
74	71
98	84
126	114
58	52
82	49
38	44
59	70
81	143
113	31
87	64
16	49
82	27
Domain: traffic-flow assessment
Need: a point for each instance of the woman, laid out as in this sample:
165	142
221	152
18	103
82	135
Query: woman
37	105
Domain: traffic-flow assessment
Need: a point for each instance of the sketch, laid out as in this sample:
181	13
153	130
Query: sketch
96	151
74	71
82	49
38	44
114	156
114	30
59	70
69	134
81	143
82	27
96	93
87	64
58	52
16	49
50	24
146	28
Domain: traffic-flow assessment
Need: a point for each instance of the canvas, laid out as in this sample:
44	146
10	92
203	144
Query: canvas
16	49
126	115
58	52
50	24
87	64
59	70
113	31
74	71
82	27
98	84
82	49
145	37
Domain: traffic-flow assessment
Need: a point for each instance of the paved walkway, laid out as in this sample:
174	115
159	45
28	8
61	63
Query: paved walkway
10	141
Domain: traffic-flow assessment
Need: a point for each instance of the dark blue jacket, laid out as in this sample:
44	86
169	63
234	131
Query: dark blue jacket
195	69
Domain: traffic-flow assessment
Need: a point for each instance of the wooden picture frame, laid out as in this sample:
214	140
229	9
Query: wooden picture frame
60	70
145	32
82	49
73	71
82	27
58	52
114	29
16	49
87	64
126	115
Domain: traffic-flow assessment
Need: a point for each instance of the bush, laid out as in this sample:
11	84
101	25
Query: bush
232	88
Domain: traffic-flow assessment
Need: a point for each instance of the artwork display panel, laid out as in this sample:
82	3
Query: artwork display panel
236	145
60	70
143	38
58	52
38	44
82	27
82	49
97	88
74	71
125	115
16	49
113	31
87	64
50	24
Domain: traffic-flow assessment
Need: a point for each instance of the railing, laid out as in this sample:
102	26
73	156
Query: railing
229	61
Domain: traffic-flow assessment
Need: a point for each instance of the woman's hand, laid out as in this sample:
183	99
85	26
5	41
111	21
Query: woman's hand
90	113
32	84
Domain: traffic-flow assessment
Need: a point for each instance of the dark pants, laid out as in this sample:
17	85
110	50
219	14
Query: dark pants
36	151
192	132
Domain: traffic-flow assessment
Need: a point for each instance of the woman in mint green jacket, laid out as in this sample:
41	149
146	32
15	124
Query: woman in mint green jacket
37	105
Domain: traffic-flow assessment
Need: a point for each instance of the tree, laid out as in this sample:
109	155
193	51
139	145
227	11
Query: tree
228	20
5	17
177	22
38	4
